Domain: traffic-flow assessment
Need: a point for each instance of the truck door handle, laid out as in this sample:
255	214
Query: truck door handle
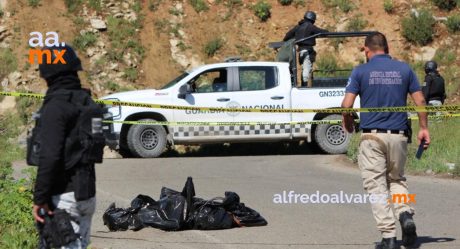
277	97
223	99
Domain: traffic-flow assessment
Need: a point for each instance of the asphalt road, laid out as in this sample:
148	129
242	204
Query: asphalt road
257	179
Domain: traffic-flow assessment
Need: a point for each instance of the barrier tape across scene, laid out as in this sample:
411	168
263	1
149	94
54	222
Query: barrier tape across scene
317	122
445	108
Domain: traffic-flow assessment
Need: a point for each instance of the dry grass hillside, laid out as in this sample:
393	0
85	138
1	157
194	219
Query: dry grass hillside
145	43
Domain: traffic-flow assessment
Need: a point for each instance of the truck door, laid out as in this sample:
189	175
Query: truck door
261	87
210	88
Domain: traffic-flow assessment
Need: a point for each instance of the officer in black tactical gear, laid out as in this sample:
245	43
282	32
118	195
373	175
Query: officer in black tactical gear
307	55
56	187
434	90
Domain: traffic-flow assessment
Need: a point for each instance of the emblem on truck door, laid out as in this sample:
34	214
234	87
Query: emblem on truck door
233	104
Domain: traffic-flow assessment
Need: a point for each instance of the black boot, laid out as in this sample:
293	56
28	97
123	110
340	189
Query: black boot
409	236
388	243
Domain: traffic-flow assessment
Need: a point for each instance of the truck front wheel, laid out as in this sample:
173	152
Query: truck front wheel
332	138
146	141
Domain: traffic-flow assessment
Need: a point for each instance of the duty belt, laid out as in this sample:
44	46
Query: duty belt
402	132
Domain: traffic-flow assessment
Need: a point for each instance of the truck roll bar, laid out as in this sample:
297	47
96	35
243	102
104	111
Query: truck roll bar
276	45
293	63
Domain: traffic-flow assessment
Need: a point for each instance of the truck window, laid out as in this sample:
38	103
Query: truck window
257	78
174	81
210	81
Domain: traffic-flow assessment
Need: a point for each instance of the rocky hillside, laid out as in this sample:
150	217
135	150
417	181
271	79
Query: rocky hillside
137	44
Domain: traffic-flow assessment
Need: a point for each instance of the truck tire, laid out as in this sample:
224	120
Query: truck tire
147	141
332	138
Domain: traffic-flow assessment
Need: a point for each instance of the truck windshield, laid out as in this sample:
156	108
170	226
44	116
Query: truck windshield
174	81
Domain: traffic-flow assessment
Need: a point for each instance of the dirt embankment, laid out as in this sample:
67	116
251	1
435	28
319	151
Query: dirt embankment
174	34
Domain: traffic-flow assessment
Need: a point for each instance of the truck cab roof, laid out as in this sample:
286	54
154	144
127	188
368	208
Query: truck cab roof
240	64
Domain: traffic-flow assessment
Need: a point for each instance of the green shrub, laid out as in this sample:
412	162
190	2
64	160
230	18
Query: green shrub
285	2
445	4
327	65
131	74
72	5
114	55
119	31
199	5
344	5
16	222
356	23
445	56
453	23
9	63
18	230
436	157
213	46
112	86
33	3
84	41
95	4
388	6
182	46
136	47
136	6
419	29
79	22
175	30
262	10
1	12
299	3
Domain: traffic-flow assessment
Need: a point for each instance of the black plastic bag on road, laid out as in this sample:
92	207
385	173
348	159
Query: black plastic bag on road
167	214
242	215
182	210
119	219
210	215
142	201
247	217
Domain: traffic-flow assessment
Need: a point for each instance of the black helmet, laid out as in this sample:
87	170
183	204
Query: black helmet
50	70
310	16
431	67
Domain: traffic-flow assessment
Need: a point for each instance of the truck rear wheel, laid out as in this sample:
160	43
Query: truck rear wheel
147	141
332	138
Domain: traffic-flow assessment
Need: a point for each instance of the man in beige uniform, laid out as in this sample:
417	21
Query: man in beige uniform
384	82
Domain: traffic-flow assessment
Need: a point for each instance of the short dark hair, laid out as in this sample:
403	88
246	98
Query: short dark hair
377	41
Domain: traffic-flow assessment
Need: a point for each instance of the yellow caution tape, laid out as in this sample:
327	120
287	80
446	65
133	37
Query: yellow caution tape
444	108
317	122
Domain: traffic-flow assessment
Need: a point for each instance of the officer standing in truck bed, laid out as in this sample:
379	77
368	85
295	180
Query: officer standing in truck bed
307	54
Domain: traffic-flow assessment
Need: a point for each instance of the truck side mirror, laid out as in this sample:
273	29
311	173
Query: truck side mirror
184	90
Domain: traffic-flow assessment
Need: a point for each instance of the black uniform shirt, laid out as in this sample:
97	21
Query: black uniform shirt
302	30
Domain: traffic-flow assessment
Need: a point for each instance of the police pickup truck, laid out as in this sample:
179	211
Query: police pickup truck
262	85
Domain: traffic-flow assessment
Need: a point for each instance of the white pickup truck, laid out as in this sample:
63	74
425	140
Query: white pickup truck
265	85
